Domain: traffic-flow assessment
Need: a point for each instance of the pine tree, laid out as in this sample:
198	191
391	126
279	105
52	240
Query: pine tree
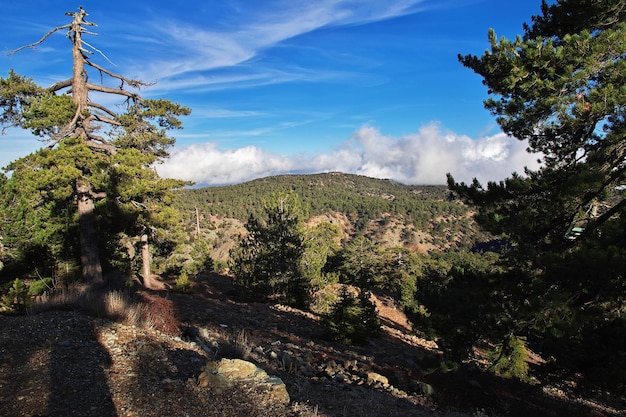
105	180
268	259
562	87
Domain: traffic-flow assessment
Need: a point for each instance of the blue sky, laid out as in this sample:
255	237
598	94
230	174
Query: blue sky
370	87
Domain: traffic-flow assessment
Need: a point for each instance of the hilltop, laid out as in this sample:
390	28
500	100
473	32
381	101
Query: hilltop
422	218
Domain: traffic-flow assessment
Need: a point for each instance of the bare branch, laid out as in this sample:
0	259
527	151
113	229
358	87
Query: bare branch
107	120
97	195
117	91
59	85
100	52
132	83
34	45
101	107
94	142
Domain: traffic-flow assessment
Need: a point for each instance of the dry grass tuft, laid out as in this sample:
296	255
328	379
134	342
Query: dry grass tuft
141	310
236	347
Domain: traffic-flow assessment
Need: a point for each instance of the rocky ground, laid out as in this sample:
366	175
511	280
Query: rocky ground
66	363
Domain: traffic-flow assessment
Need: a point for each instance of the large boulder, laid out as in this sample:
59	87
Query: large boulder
226	373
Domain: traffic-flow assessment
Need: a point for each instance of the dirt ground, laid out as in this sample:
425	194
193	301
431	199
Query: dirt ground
66	363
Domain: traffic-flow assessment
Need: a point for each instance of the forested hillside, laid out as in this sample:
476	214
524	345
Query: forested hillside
422	218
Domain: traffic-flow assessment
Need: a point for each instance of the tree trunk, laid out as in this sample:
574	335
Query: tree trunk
89	253
145	262
197	223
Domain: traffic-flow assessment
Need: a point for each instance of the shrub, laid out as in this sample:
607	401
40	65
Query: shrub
139	309
324	299
182	283
353	319
16	299
40	286
509	358
237	347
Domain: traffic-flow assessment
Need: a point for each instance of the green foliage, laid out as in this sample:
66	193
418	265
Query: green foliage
320	243
40	286
16	95
510	358
267	261
201	256
183	284
353	320
399	272
561	87
363	200
360	262
47	111
325	297
461	300
16	298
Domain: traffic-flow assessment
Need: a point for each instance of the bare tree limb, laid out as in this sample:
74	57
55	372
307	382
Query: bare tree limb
106	147
109	90
100	52
59	85
102	108
34	44
132	83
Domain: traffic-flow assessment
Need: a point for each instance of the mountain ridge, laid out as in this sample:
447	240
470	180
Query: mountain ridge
422	218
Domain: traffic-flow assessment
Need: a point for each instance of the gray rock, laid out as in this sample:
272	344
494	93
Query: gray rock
373	378
226	373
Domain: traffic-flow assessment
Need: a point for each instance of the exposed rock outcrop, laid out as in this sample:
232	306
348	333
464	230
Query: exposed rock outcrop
226	373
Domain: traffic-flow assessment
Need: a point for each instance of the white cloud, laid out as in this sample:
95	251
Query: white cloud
421	158
186	48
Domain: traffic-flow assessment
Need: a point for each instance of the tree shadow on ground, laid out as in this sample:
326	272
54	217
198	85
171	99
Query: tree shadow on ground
68	365
43	368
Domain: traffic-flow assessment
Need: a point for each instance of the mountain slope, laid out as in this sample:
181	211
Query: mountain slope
422	218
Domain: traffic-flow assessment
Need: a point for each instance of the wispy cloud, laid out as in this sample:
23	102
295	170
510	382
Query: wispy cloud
191	49
420	158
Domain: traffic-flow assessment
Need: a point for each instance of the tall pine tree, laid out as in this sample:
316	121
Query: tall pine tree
103	178
562	87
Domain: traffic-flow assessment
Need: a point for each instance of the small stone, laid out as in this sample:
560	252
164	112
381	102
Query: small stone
168	385
350	364
374	377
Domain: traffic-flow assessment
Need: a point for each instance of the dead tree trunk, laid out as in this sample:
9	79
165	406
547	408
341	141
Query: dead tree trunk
197	223
90	253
